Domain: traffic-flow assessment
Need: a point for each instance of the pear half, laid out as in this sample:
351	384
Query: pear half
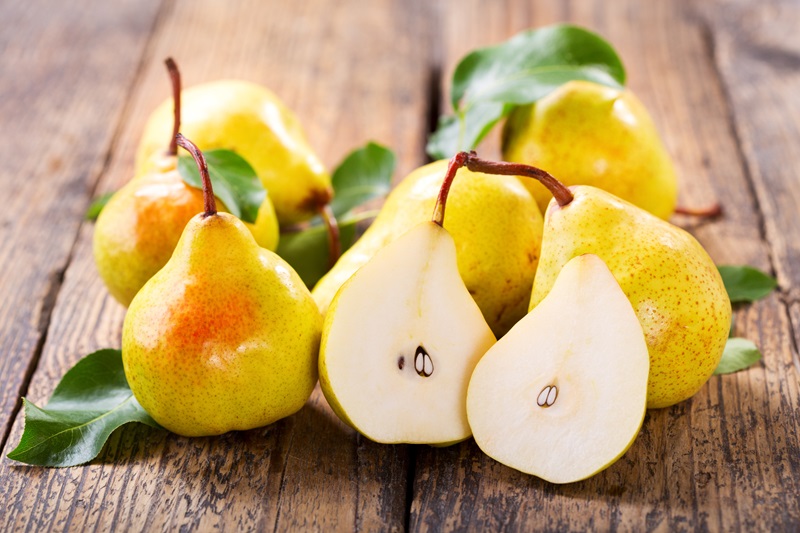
400	342
562	396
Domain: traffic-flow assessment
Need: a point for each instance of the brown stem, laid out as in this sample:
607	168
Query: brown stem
711	211
175	77
200	160
471	160
334	237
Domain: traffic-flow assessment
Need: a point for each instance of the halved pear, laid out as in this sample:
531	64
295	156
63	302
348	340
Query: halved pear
562	396
400	342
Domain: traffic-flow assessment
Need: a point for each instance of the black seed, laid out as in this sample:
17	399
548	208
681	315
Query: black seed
401	362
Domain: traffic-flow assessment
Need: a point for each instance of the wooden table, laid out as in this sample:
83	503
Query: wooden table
722	80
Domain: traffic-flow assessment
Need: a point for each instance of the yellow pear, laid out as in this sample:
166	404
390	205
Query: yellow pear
494	222
250	120
225	336
590	134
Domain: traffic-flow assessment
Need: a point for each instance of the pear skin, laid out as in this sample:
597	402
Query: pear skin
224	337
138	229
496	226
590	134
250	120
672	283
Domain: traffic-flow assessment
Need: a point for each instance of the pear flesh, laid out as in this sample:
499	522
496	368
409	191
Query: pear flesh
400	341
562	396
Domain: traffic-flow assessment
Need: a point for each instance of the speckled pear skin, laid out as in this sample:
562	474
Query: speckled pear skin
225	337
670	280
589	134
138	229
495	224
250	120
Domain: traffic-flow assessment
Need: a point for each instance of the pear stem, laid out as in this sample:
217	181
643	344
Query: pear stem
710	211
175	78
334	236
471	160
208	192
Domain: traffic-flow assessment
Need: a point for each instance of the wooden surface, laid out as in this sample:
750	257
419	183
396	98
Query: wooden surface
721	79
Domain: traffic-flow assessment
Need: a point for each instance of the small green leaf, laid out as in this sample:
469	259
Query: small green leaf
739	354
91	401
746	284
489	82
97	205
308	251
366	173
234	180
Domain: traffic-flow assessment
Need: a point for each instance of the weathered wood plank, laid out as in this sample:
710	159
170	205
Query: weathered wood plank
66	70
337	66
727	458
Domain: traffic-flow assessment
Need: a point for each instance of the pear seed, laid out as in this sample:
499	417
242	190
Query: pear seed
548	396
401	362
423	363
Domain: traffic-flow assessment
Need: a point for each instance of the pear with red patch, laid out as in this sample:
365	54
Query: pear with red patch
225	336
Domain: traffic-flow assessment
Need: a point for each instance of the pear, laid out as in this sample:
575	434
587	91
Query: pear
401	339
138	229
249	119
496	226
225	336
672	283
562	396
590	134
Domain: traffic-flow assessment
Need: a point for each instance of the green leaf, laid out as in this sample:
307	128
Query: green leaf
91	401
234	180
366	173
489	82
746	284
739	354
97	205
308	251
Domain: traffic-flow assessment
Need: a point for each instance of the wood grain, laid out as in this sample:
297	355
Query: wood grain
309	471
727	458
66	71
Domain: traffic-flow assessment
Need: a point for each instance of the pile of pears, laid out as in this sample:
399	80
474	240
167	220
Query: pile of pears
602	308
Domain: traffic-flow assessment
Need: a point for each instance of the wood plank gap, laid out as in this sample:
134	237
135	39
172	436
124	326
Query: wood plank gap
411	474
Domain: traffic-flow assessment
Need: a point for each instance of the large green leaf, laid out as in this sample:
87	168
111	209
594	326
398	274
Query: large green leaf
489	82
234	180
91	401
366	173
746	284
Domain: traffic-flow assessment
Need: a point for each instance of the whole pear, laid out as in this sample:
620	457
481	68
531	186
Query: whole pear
138	229
672	283
494	222
590	134
250	120
225	336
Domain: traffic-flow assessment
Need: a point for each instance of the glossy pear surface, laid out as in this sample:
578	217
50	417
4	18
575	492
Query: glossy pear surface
668	277
250	120
496	226
589	134
400	341
562	395
224	337
138	229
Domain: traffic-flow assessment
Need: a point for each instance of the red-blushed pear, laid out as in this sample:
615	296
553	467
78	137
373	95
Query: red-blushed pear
401	338
225	336
562	395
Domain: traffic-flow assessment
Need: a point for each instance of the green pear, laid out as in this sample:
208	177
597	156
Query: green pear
562	396
590	134
225	336
138	229
496	226
672	283
249	119
401	339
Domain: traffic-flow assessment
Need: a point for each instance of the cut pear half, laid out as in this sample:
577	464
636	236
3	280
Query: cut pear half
400	342
562	395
